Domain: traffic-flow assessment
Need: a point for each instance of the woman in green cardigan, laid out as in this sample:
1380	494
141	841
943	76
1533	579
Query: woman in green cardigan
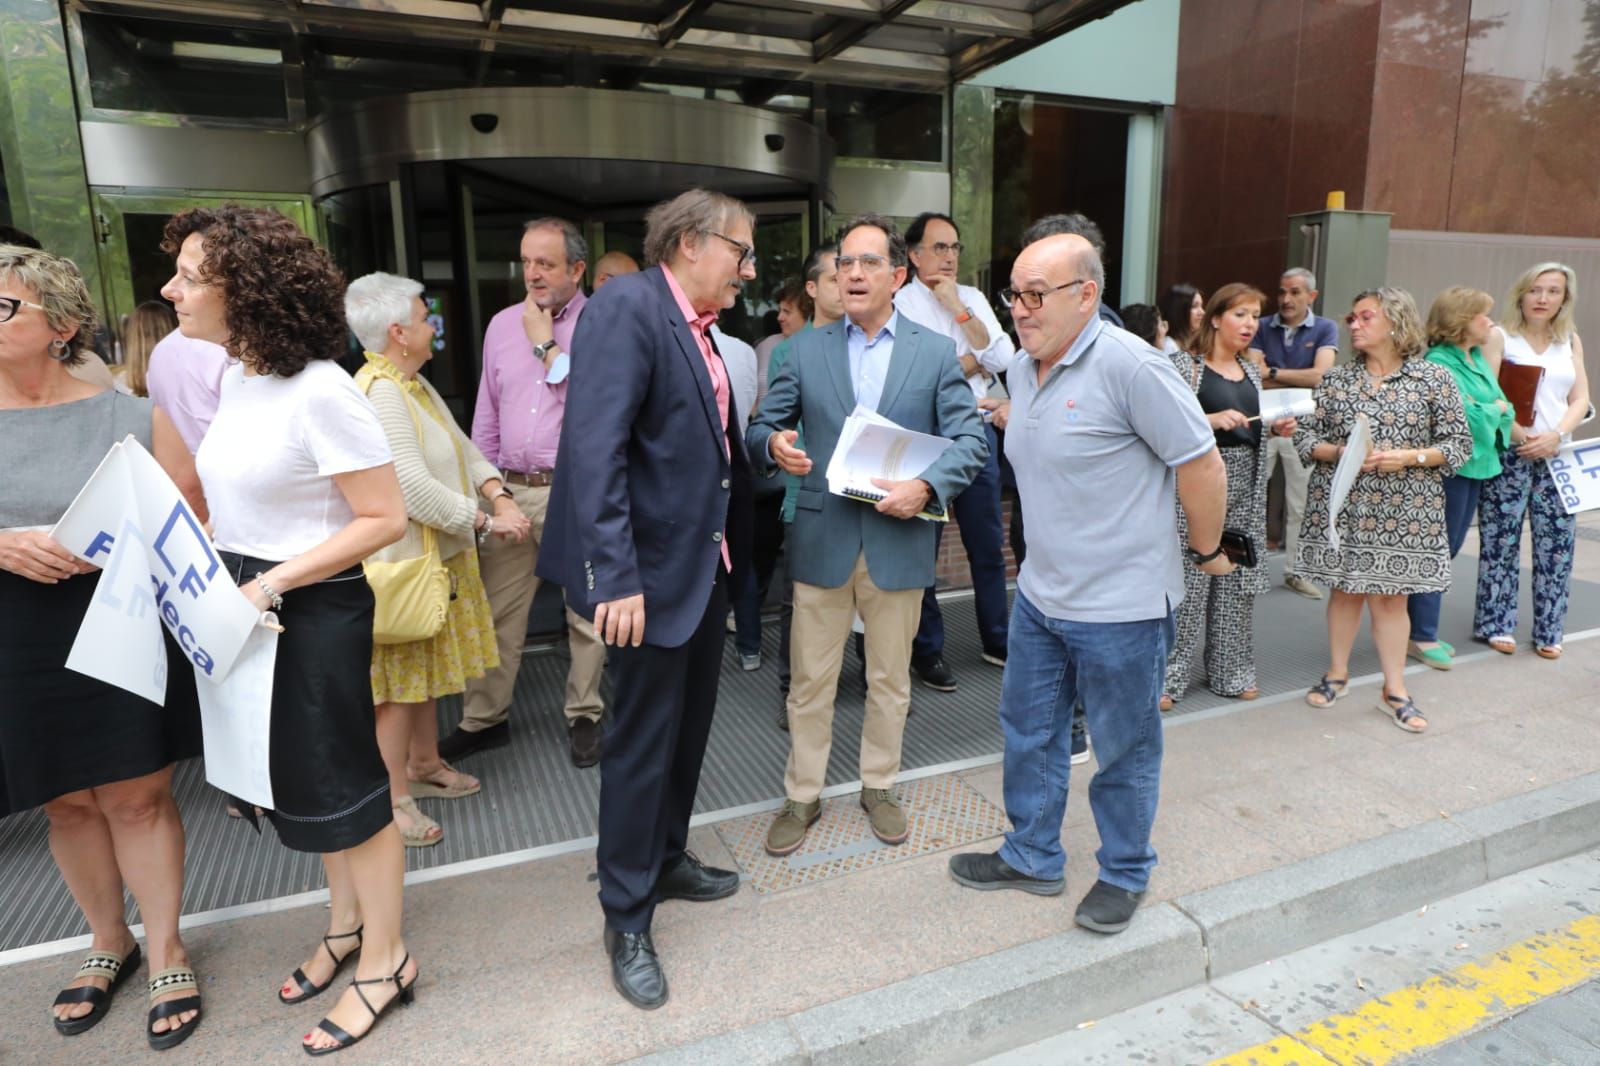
1458	326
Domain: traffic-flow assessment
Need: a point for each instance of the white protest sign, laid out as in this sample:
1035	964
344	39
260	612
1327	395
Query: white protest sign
1356	450
236	720
1279	404
193	596
1576	471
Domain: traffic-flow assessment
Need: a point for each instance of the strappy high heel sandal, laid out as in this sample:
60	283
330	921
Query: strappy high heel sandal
307	989
405	996
107	965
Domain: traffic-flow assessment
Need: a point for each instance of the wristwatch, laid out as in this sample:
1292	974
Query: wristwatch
1202	558
964	317
1272	373
507	493
543	350
1422	458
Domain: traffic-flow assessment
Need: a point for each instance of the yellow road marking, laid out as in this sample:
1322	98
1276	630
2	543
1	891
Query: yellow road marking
1427	1014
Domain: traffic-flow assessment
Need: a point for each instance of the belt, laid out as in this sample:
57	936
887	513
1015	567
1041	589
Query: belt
538	479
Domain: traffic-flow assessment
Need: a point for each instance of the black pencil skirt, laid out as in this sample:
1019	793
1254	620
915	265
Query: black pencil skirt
328	779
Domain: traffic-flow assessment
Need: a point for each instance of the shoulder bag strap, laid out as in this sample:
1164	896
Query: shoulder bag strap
430	539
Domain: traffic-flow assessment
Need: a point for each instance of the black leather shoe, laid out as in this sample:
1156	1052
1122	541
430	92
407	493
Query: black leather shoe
934	673
584	736
635	970
987	872
1107	908
691	879
460	744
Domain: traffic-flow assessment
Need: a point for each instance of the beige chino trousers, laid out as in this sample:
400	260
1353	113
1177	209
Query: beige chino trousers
1296	479
822	619
507	568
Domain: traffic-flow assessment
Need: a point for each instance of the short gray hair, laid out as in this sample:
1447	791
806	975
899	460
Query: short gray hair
1093	268
1301	272
61	291
577	249
695	213
374	302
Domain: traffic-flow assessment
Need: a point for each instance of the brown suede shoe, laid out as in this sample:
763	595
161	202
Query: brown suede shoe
789	828
885	815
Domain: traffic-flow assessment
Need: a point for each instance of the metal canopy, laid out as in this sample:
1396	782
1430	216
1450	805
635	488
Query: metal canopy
890	43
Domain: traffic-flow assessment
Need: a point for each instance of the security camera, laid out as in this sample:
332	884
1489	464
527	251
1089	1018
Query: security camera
775	142
484	122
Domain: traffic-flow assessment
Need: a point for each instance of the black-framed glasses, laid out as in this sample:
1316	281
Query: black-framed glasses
942	249
1033	299
869	263
747	253
10	305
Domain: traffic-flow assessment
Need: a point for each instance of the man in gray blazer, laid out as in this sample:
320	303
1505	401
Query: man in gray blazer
849	556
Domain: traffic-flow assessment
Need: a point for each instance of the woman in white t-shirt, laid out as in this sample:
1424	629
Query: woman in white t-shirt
298	476
1537	331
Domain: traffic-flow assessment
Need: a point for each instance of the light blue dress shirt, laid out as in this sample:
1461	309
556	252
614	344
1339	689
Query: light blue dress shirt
869	359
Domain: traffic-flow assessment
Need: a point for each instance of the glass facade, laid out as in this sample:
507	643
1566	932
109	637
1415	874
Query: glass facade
886	124
1058	158
172	68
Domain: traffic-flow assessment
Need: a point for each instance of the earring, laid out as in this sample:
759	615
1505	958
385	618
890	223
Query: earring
58	350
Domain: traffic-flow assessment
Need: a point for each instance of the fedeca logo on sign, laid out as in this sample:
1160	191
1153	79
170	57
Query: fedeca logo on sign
1574	469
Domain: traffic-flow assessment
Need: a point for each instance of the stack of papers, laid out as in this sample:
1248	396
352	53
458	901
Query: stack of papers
871	446
1278	404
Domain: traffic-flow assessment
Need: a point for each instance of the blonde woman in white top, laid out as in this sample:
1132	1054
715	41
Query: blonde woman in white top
1537	331
444	479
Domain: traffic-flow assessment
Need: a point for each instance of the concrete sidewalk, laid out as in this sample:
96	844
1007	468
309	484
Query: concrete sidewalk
1300	823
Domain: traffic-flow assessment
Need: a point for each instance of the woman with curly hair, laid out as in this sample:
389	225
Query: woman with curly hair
301	485
97	758
1392	530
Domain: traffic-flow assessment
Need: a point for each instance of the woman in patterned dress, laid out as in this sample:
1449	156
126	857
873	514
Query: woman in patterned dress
1219	611
443	478
1391	529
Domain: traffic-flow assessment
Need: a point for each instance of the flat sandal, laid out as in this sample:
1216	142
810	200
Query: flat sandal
107	965
1331	689
168	981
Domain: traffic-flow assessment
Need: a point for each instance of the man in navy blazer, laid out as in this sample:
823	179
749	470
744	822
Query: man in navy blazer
848	556
651	485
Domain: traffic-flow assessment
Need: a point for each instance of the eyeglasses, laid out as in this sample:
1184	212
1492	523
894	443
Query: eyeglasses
747	253
1033	299
870	263
10	305
1366	320
942	249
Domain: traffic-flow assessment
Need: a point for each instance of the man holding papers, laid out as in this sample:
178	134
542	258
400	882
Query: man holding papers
849	555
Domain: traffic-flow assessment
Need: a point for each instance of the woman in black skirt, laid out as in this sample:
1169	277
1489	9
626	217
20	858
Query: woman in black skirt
298	476
97	758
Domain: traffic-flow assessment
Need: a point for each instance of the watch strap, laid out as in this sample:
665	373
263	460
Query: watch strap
1200	559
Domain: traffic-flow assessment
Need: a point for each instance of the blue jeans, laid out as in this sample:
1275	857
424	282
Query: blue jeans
1460	504
1116	669
977	513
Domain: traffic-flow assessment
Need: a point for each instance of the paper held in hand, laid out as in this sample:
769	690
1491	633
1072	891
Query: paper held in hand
1356	450
1279	404
1575	469
871	446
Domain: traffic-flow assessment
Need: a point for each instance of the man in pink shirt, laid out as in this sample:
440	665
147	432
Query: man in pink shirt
521	400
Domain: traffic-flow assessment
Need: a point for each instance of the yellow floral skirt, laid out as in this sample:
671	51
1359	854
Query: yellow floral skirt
465	648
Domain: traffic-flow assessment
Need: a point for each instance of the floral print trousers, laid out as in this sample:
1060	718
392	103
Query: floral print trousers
1523	487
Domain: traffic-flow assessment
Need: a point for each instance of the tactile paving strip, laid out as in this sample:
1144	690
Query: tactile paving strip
941	812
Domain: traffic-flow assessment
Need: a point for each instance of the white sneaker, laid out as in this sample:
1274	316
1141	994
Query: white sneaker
1297	584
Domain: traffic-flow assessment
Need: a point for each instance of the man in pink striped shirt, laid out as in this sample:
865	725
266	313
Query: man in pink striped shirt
517	425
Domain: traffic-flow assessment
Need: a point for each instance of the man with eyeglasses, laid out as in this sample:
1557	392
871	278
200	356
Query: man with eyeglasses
852	556
517	423
652	484
1103	432
933	298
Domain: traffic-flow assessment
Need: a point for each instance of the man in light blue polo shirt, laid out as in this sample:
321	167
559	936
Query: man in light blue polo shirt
1102	432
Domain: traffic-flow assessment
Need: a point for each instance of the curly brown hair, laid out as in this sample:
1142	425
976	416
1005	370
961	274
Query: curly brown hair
283	297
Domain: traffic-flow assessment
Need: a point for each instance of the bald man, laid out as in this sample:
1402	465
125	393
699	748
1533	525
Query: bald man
1103	432
610	265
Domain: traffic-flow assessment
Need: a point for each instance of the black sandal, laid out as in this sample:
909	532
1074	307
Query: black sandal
104	964
307	989
1404	713
1331	689
407	993
176	979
